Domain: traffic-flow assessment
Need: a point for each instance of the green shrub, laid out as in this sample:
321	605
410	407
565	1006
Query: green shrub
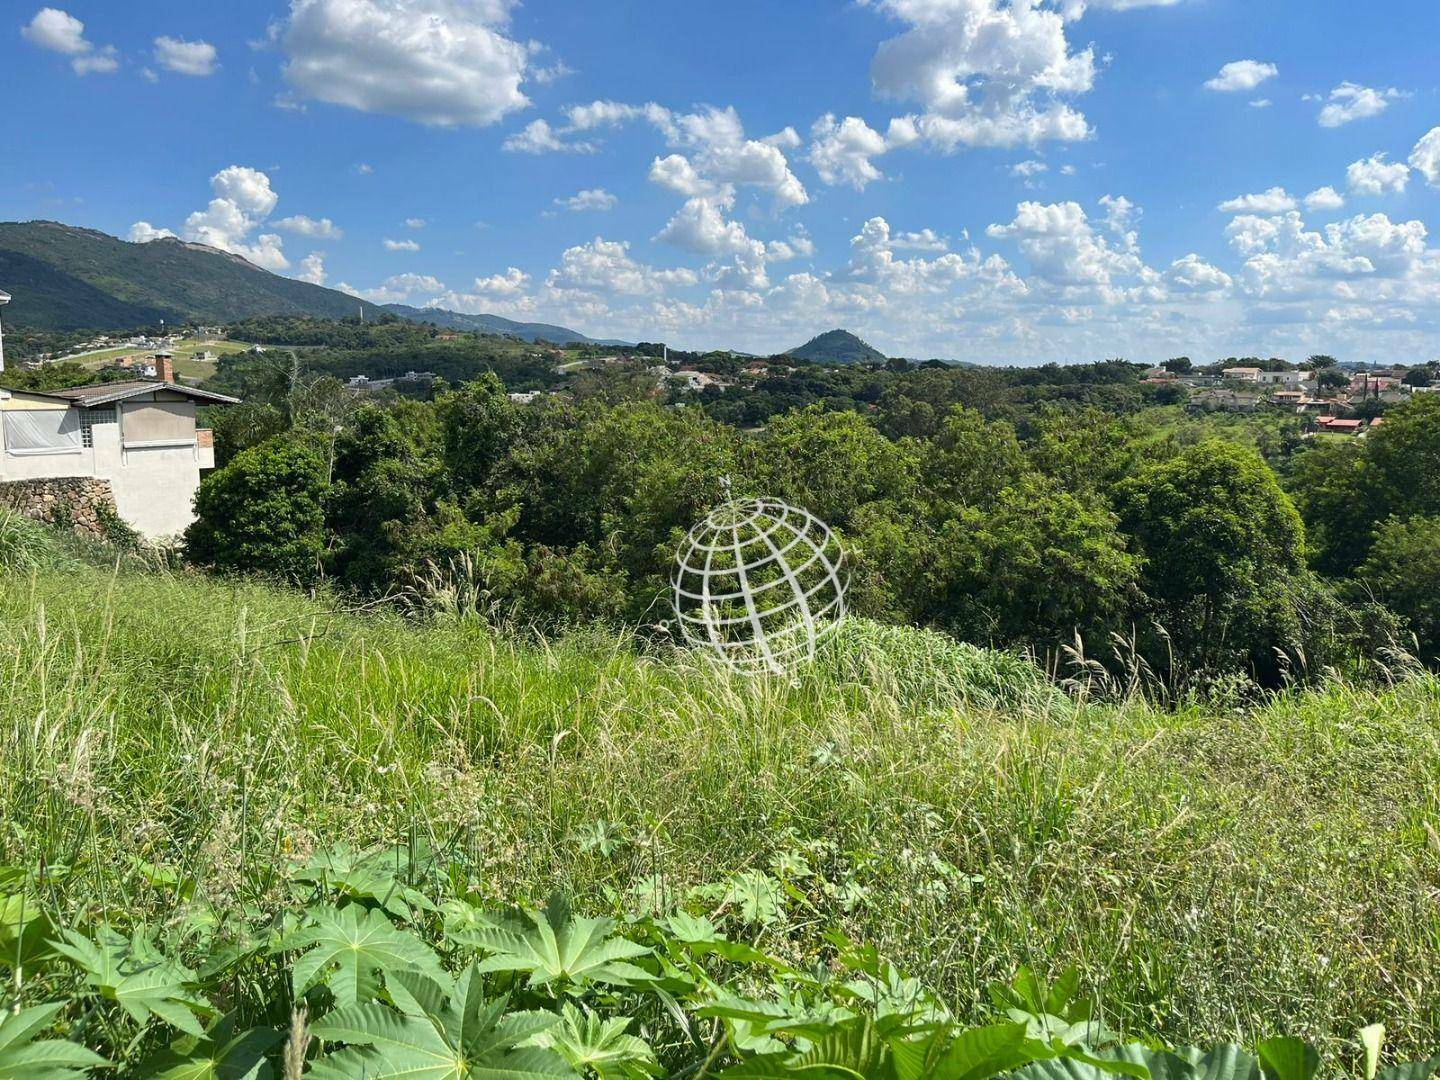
24	544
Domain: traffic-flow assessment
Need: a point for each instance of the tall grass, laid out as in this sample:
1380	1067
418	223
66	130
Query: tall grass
1215	873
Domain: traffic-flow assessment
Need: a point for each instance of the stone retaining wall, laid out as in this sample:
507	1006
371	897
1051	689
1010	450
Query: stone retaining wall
81	502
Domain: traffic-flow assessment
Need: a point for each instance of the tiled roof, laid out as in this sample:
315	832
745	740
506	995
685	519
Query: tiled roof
109	393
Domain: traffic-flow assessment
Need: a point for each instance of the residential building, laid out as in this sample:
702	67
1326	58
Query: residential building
138	435
1291	380
1242	374
691	381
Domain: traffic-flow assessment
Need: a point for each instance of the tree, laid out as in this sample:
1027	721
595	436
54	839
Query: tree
623	481
1404	460
265	511
834	463
1402	571
1221	544
386	480
1179	365
1331	378
1039	566
1418	376
971	459
478	424
239	427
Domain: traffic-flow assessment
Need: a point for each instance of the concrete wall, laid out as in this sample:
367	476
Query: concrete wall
81	502
154	483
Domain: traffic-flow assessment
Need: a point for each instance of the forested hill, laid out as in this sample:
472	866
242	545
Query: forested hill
495	324
838	347
63	278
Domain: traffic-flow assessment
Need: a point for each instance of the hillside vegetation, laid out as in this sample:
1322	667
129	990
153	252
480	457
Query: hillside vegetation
189	762
838	347
62	277
494	324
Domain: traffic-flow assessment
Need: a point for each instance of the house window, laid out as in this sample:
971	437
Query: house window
41	431
105	414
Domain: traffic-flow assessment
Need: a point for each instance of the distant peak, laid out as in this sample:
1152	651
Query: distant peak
838	347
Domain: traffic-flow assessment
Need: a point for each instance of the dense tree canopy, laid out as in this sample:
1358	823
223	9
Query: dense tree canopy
1006	507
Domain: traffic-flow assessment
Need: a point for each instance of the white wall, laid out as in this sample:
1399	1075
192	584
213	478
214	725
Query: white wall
154	485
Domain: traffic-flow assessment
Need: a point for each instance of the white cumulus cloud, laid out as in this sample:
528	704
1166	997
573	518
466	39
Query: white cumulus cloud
400	245
984	73
509	284
1425	158
439	62
1323	199
1242	75
538	137
605	266
1350	101
589	199
840	151
243	200
142	232
197	58
1274	201
315	228
1377	175
312	268
398	289
59	31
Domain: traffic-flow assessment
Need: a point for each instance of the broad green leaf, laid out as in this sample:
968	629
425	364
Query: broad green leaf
135	975
850	1050
758	897
220	1054
701	937
349	948
979	1053
468	1036
1414	1070
1226	1062
601	1046
376	876
24	931
23	1057
552	946
384	1043
1287	1058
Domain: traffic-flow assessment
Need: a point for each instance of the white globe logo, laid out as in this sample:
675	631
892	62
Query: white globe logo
760	584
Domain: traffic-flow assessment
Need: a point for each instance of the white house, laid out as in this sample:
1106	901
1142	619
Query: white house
139	435
1290	380
1242	374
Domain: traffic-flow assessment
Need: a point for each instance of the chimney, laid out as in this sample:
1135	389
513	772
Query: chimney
165	368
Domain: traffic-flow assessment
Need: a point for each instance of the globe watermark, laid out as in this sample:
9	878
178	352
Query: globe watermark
760	584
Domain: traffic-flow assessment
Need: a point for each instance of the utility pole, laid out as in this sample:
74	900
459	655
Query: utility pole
4	299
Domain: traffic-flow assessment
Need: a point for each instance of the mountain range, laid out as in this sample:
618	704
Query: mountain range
63	277
495	324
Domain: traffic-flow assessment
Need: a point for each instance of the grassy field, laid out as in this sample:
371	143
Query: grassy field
1215	872
185	352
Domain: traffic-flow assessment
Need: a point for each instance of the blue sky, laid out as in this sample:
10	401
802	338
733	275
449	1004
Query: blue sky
976	179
